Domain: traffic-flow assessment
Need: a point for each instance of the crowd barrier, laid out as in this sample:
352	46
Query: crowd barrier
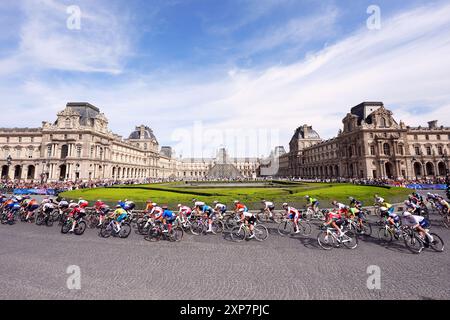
42	192
420	186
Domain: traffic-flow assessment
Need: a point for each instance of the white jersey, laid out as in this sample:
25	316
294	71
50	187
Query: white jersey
412	220
268	204
340	206
220	207
48	206
199	204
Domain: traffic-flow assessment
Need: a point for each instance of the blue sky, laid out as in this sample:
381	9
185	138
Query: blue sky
224	66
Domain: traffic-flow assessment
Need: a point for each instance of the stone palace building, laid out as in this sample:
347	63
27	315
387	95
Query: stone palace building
79	146
371	145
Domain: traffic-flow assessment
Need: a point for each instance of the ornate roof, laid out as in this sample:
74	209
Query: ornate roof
142	132
306	132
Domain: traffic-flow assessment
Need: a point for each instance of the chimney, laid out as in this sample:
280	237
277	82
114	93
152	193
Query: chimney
432	124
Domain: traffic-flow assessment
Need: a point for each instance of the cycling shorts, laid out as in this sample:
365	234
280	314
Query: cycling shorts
122	217
251	220
424	223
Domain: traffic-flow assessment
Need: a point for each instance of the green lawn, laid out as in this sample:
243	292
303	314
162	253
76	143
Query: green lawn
294	194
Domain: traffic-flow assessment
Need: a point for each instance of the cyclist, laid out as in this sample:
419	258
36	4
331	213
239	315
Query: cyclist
129	205
392	218
197	204
83	203
118	216
209	214
334	218
268	207
238	206
445	206
339	207
75	214
411	206
382	203
248	218
292	214
355	203
184	212
313	203
148	206
220	209
32	206
417	223
168	217
102	210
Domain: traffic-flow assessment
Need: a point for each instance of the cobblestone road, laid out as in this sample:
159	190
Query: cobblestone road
33	263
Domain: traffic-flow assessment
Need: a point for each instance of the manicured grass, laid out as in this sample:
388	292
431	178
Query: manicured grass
171	194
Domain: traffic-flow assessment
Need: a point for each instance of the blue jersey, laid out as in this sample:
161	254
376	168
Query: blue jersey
169	215
122	204
207	209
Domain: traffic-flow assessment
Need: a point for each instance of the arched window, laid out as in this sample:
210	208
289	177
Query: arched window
383	123
387	149
68	124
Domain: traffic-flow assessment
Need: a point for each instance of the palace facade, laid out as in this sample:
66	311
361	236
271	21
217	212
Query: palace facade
371	145
80	146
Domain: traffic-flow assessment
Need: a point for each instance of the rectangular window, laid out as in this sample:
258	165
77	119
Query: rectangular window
49	151
429	151
417	151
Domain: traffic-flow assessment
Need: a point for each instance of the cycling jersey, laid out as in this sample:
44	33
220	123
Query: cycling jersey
120	214
269	205
221	208
157	212
240	207
414	220
292	213
169	215
185	210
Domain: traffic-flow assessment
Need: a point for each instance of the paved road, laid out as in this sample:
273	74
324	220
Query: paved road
33	263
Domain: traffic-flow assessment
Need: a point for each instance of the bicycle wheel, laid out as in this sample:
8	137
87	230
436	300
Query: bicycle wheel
308	215
197	227
176	234
217	227
446	221
414	243
40	220
125	230
238	234
49	221
438	243
106	230
364	230
384	235
66	227
80	228
154	234
278	217
230	223
262	217
350	240
326	241
261	233
285	228
305	228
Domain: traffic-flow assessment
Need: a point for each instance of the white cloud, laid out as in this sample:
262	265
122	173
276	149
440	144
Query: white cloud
46	43
404	64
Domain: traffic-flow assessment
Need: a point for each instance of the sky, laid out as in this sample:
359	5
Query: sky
243	74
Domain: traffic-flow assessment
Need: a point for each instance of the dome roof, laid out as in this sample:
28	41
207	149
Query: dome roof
142	133
306	132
